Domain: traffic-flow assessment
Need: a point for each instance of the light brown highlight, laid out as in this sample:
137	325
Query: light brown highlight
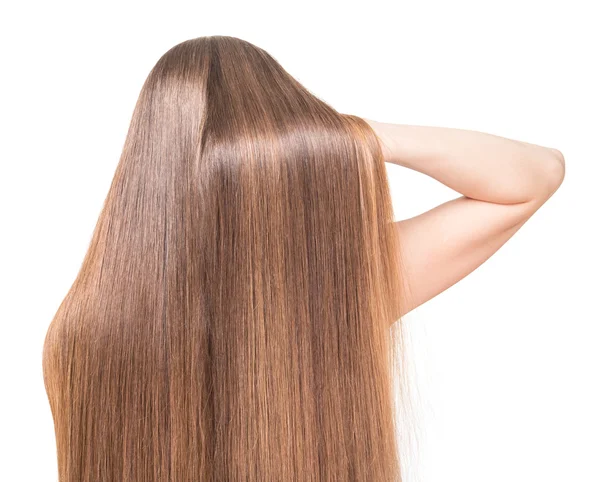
231	318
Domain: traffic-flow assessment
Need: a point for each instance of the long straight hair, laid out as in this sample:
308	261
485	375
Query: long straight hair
233	318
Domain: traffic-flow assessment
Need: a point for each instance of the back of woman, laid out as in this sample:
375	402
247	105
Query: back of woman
231	318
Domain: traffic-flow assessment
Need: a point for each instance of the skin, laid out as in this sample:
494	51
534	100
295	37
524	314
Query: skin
503	182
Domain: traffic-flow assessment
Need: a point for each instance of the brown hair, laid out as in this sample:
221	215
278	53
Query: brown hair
233	316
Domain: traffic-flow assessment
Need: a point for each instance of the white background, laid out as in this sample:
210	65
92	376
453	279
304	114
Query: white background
506	360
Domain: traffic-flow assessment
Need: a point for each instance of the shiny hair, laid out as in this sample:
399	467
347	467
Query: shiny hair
234	317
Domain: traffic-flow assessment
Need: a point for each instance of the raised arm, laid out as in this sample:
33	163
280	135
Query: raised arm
503	182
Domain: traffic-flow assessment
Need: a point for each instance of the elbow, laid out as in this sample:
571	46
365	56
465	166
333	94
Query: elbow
554	173
557	169
549	178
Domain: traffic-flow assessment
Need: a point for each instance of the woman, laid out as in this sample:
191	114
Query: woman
235	315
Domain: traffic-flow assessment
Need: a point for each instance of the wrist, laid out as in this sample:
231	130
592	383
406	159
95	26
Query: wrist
385	140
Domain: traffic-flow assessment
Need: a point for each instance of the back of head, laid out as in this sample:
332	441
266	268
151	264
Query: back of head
231	318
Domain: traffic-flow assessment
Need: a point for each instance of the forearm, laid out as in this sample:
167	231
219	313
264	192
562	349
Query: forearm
476	164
